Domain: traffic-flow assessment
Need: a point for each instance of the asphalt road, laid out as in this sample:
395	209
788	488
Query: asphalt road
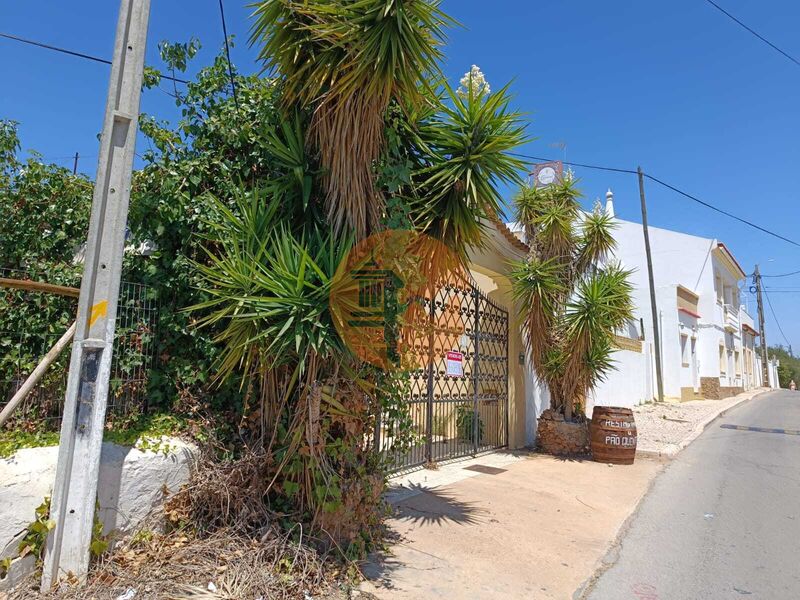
723	520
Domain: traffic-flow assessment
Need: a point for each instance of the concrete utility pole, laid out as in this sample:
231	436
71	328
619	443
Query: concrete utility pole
75	489
762	331
654	308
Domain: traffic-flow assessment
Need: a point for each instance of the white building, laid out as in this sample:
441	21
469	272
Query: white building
708	347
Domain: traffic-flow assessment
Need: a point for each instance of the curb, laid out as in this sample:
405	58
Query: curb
672	450
612	551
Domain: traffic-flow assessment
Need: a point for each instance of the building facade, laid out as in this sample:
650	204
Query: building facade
707	341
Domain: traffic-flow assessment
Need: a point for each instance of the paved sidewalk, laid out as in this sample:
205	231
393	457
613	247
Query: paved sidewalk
664	429
530	526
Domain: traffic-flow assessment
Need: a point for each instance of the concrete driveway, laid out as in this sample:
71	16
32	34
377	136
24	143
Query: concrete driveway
534	527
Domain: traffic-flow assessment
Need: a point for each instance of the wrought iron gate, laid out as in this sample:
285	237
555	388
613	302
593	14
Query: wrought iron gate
455	416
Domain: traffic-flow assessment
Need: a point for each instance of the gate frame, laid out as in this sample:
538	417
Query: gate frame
428	460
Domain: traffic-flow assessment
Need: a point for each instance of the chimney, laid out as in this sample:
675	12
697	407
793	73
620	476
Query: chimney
610	203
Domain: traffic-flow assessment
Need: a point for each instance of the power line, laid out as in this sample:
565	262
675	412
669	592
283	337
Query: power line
784	274
721	211
16	38
573	164
228	54
774	316
762	38
667	185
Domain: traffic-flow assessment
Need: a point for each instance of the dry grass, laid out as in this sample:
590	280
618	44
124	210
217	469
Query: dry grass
219	532
234	565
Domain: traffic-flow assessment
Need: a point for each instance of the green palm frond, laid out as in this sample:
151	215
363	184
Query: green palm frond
470	141
529	202
597	239
295	174
572	304
269	289
601	305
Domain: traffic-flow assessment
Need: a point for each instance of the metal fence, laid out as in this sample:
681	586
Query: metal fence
455	416
31	323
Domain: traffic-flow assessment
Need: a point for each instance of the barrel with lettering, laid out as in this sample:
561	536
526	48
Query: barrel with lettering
613	435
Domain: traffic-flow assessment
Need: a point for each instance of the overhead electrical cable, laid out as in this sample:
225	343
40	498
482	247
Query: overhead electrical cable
228	54
573	164
16	38
784	274
721	211
774	316
759	36
668	186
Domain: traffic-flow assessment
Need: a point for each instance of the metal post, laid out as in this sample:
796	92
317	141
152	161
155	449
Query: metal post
75	165
654	308
762	330
475	367
429	407
508	373
75	489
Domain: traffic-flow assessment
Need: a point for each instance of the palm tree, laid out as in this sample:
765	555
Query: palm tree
467	144
572	298
346	60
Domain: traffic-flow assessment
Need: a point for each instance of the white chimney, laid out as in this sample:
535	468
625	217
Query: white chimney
610	203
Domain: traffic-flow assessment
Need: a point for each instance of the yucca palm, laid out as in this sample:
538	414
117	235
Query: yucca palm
269	286
347	60
572	297
466	141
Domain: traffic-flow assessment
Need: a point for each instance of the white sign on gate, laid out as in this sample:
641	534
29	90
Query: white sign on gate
455	364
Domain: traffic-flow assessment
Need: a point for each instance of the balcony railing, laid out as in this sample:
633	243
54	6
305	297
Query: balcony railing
731	315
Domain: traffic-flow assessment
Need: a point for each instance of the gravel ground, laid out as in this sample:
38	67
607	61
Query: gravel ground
662	427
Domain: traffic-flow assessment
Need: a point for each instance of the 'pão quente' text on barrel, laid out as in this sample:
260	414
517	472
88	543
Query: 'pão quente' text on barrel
613	435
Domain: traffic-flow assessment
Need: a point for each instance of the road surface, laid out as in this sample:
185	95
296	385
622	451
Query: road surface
723	520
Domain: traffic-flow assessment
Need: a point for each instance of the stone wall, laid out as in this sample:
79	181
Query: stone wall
709	388
560	437
727	392
132	484
712	390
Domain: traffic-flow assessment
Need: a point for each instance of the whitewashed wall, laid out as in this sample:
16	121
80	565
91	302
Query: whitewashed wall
537	400
132	484
630	384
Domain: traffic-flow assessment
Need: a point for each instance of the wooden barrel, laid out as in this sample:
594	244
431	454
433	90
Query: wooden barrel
613	435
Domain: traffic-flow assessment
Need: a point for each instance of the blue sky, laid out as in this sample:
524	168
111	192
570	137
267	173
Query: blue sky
674	86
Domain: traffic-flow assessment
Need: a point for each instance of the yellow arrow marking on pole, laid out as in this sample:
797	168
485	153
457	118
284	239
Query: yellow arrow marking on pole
98	310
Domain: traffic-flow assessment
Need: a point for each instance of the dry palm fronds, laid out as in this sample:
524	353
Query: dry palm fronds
226	565
347	131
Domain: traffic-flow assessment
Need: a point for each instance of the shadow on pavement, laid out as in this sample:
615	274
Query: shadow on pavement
435	506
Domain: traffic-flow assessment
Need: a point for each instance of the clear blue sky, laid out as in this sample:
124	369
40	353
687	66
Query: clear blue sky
674	86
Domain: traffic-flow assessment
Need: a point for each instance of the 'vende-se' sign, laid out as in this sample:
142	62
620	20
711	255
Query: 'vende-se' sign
455	364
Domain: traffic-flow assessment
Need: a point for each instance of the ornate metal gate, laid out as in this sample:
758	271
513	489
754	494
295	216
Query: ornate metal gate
456	415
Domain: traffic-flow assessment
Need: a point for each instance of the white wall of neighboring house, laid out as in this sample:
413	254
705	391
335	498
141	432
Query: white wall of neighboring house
630	383
774	382
700	315
706	333
678	259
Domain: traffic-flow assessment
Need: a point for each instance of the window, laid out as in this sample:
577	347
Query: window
737	361
685	350
723	360
719	288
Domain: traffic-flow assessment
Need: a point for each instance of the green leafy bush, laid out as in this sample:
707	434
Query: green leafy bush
466	424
